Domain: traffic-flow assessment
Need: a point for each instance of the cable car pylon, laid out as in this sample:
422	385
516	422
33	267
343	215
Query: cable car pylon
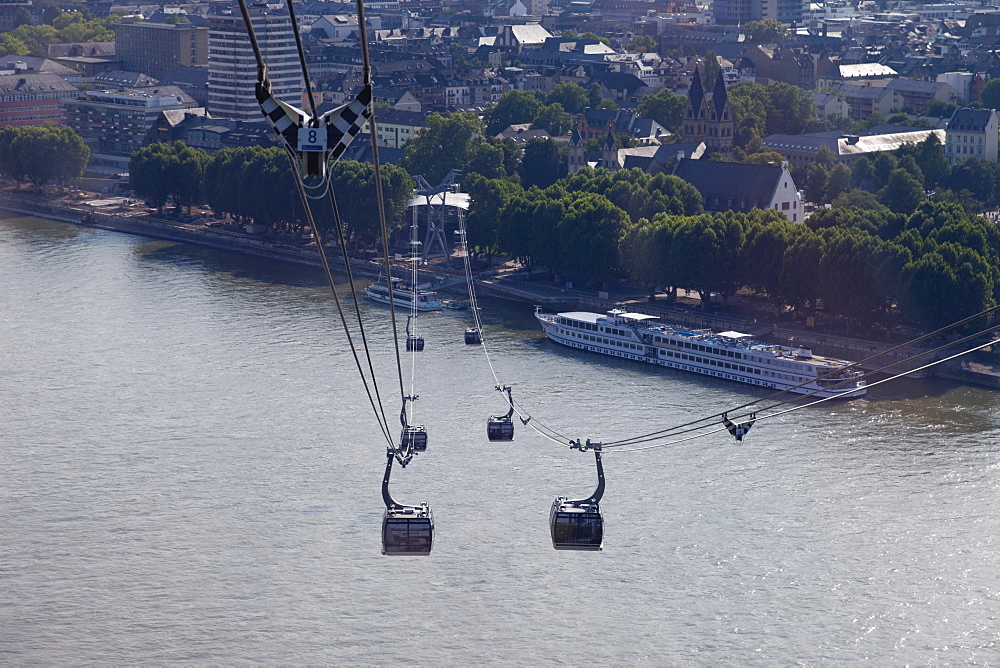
577	524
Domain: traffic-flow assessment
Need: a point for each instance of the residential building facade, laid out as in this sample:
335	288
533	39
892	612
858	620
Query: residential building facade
971	133
232	68
396	128
114	124
157	49
34	98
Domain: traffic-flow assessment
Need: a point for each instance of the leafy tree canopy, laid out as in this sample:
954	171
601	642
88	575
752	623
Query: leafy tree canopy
514	106
41	154
766	31
641	44
665	107
572	97
989	97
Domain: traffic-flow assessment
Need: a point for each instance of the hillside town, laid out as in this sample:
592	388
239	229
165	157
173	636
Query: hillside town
836	161
183	72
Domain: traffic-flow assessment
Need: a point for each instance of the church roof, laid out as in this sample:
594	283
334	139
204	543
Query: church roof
696	93
719	95
734	185
609	142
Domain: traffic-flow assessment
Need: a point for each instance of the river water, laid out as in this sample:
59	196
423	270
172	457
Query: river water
190	474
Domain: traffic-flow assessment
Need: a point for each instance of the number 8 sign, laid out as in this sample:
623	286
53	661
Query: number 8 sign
312	139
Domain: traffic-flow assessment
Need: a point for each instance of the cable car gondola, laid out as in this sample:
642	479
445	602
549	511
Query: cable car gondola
414	343
501	427
406	530
414	437
473	336
578	524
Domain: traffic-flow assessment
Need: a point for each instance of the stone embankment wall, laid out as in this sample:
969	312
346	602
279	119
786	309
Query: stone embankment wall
834	346
159	228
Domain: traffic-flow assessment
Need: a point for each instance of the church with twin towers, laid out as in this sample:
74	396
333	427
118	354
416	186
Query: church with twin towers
708	117
707	129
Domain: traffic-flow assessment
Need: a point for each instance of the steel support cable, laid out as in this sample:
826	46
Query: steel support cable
931	351
376	407
354	296
879	370
819	401
252	35
412	343
522	414
666	432
336	212
302	59
366	79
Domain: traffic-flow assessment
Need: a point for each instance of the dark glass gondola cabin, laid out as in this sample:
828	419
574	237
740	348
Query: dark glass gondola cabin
500	428
407	531
417	436
414	343
473	336
576	525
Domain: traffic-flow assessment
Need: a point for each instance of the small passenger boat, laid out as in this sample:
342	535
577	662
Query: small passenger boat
404	295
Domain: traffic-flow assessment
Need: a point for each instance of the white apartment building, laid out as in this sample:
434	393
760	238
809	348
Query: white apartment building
232	69
971	133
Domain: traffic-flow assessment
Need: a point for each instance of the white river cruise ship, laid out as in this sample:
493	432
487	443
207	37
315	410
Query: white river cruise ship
729	355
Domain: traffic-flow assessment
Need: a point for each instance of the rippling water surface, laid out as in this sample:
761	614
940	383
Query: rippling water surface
190	473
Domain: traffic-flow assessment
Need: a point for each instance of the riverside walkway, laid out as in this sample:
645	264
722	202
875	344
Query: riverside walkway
505	282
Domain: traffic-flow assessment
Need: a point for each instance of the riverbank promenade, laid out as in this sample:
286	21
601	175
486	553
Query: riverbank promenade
506	280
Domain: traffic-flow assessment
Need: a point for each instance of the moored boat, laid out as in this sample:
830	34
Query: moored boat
404	295
730	355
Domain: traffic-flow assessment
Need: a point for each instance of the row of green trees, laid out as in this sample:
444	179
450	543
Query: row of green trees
552	112
256	184
931	266
574	224
58	27
938	269
42	154
901	180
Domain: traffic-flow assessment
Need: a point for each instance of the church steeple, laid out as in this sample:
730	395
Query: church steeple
720	97
696	94
610	144
609	156
719	129
577	155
